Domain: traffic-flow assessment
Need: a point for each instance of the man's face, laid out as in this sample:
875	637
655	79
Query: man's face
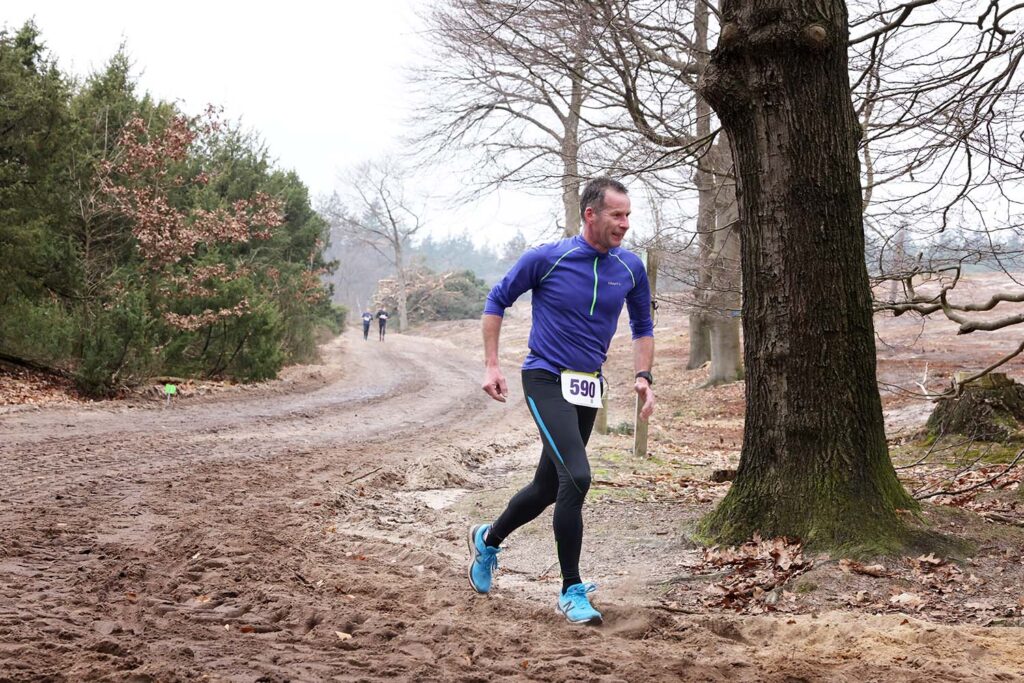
607	227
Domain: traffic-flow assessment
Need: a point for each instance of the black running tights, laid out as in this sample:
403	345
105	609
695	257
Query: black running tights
563	474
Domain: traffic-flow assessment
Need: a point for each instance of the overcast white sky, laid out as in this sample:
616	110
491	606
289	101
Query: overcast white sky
321	82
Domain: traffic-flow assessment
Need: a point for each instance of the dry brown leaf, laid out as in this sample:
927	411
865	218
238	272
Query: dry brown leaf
850	566
759	568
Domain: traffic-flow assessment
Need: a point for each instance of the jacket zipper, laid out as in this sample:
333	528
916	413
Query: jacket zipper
594	302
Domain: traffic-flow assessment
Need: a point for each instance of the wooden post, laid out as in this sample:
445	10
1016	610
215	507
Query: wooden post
601	421
640	426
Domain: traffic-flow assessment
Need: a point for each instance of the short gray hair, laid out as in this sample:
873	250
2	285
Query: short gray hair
593	193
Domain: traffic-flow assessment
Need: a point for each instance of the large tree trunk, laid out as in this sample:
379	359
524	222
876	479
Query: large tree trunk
815	462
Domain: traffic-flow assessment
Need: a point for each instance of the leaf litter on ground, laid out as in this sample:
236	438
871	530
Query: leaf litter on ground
754	573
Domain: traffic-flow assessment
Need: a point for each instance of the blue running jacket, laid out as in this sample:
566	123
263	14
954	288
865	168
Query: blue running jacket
578	294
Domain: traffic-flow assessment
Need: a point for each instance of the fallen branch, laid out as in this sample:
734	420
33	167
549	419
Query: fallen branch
963	470
931	449
1003	519
988	481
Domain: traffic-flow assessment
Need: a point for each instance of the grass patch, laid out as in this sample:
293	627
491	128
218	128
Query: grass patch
624	493
612	456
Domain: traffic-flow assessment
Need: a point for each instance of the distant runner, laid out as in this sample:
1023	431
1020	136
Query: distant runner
579	287
367	319
382	323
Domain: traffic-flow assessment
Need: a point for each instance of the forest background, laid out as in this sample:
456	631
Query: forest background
141	241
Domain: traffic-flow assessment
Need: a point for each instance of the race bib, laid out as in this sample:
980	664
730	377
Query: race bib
581	388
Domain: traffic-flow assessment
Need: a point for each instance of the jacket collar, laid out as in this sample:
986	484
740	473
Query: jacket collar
586	248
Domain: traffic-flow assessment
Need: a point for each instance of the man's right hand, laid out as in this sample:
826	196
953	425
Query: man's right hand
494	384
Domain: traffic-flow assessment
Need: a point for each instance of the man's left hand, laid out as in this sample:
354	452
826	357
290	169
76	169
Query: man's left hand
646	394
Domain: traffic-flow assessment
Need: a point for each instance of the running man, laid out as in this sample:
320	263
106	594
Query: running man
367	319
382	323
579	287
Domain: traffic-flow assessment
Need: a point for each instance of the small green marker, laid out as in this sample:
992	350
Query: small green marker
170	389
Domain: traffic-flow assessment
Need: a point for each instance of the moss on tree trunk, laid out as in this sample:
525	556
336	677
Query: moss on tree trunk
814	462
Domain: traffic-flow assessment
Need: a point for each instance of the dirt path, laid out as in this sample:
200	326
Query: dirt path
316	534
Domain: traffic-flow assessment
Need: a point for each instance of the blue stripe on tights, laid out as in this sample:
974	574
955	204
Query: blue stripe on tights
544	430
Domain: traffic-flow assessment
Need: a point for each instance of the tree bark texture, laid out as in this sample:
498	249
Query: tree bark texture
814	463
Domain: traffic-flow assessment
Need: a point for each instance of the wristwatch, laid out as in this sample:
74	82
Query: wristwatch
647	376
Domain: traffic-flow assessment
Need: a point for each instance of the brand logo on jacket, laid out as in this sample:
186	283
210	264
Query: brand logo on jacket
614	284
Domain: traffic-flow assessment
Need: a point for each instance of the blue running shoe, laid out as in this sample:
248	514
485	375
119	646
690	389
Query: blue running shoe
485	559
575	606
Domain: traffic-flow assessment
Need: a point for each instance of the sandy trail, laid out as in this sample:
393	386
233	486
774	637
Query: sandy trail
317	534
